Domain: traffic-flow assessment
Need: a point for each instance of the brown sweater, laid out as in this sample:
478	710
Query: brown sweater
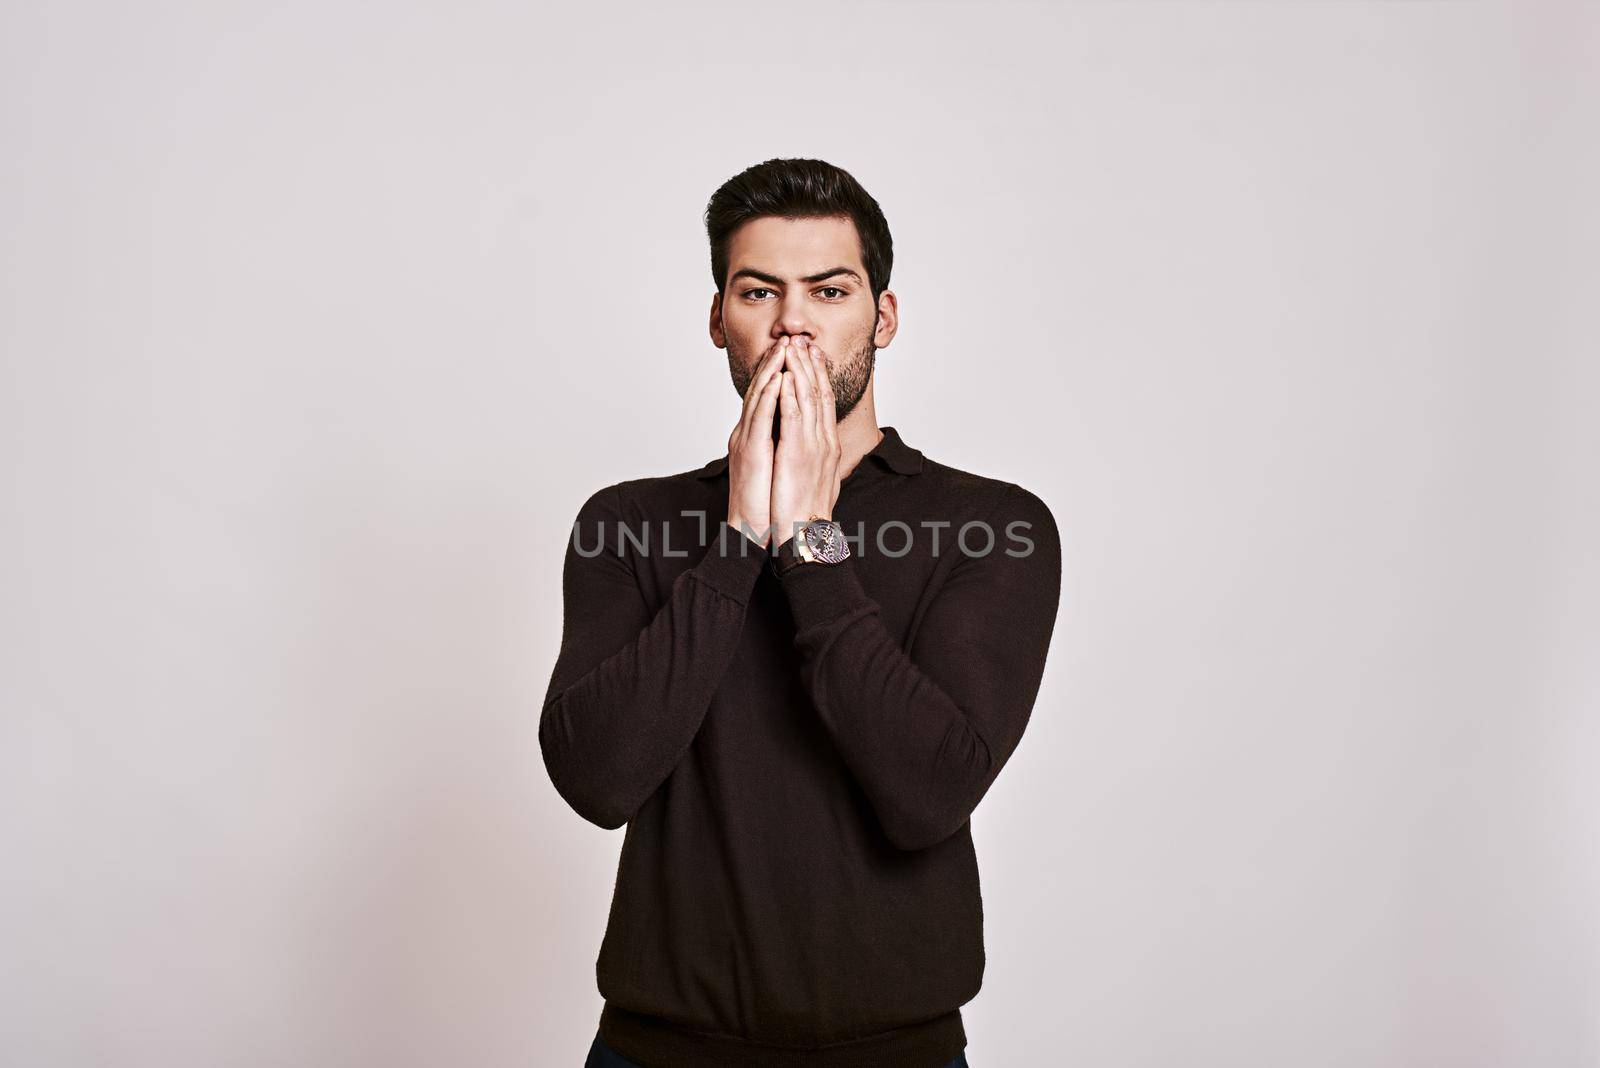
796	759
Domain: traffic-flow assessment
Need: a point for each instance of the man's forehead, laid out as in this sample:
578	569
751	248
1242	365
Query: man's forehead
797	245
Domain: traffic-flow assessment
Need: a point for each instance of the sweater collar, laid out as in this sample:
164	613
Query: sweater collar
892	452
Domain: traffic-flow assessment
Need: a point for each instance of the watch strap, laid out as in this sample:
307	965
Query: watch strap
787	557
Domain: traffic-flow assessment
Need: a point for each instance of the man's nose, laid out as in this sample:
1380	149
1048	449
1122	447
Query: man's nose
794	320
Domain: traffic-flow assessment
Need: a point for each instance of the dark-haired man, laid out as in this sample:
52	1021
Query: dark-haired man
793	673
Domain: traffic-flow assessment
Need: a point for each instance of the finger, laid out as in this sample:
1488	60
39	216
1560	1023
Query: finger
821	398
799	361
788	407
761	423
804	388
769	366
773	357
813	384
828	411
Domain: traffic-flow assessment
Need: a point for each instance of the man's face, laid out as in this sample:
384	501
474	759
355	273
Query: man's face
799	278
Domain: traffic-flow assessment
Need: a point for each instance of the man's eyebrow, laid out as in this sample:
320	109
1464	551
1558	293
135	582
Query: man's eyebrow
774	280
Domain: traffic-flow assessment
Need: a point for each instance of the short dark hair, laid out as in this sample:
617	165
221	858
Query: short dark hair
799	189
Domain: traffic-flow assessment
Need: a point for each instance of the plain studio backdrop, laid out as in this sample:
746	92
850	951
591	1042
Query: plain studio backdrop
322	319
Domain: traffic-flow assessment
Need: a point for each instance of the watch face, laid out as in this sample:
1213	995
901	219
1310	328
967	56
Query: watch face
827	541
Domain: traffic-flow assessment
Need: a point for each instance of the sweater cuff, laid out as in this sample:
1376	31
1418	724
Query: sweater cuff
820	593
732	563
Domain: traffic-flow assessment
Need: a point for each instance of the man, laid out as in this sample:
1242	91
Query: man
793	673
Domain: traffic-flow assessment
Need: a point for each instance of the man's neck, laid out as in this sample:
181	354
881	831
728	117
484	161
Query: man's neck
857	437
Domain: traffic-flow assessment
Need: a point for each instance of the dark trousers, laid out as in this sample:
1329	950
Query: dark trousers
603	1056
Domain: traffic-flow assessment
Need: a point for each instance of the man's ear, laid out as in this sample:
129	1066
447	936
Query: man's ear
718	338
888	319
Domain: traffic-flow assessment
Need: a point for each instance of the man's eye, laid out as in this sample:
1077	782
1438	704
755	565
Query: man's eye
837	293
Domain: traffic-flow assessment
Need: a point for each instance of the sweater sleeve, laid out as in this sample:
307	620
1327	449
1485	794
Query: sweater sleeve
925	731
630	689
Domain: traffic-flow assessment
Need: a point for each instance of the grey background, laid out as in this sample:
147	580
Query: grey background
320	321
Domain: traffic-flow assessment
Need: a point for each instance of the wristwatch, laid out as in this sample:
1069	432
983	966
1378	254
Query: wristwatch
819	541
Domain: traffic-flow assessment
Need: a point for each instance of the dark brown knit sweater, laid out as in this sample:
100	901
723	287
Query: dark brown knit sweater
796	759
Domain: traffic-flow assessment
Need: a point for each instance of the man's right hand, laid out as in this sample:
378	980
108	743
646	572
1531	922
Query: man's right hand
750	450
